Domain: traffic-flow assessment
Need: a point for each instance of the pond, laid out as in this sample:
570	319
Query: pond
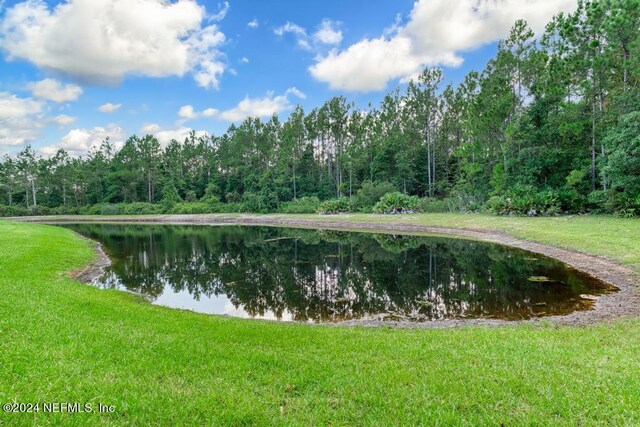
331	276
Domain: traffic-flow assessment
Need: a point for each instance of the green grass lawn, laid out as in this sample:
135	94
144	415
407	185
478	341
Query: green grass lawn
61	341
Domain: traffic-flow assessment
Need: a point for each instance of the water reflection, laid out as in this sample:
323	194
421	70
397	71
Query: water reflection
326	276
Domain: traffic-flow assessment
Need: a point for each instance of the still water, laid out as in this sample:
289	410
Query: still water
331	276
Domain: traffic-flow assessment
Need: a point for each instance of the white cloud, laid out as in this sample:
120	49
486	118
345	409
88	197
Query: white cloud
63	120
296	92
79	142
165	136
12	107
117	38
221	13
187	112
248	107
209	112
53	90
300	34
290	27
150	128
328	33
253	23
244	60
437	32
19	119
370	64
260	107
109	107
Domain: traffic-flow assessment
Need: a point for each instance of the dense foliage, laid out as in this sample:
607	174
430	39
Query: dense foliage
550	125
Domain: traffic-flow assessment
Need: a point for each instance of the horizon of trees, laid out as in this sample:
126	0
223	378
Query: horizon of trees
551	118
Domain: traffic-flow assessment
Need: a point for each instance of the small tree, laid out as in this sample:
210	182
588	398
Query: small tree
170	196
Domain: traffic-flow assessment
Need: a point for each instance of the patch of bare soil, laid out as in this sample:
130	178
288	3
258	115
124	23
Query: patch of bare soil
95	269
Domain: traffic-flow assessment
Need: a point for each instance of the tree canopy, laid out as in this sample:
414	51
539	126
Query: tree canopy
551	123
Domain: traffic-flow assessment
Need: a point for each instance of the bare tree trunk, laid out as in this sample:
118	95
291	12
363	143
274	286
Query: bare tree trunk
295	194
433	175
428	162
602	148
593	145
33	191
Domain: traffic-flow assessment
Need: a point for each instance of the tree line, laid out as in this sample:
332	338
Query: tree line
550	125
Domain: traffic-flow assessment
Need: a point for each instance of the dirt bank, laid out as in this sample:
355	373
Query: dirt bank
624	303
96	268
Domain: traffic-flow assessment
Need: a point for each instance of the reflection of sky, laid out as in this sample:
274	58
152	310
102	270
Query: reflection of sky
445	279
210	305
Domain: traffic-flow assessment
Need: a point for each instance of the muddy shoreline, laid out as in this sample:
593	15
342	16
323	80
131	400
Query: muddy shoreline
622	304
96	268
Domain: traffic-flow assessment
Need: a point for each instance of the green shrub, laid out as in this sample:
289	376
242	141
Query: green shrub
571	201
367	196
599	202
170	196
233	197
194	208
65	210
397	203
110	209
432	205
13	211
334	206
304	205
462	200
253	203
229	208
141	208
524	200
191	197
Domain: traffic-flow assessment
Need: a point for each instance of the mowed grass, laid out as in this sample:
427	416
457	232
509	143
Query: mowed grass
61	341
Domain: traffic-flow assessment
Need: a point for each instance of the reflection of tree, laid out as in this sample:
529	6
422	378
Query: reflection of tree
334	275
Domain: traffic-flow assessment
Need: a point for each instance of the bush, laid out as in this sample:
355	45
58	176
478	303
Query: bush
109	209
141	208
525	200
397	203
232	197
432	205
462	200
334	206
193	208
229	208
597	201
571	201
170	196
254	203
304	205
65	210
367	196
191	197
13	211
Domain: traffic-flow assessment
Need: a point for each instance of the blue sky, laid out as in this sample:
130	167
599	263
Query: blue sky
73	72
